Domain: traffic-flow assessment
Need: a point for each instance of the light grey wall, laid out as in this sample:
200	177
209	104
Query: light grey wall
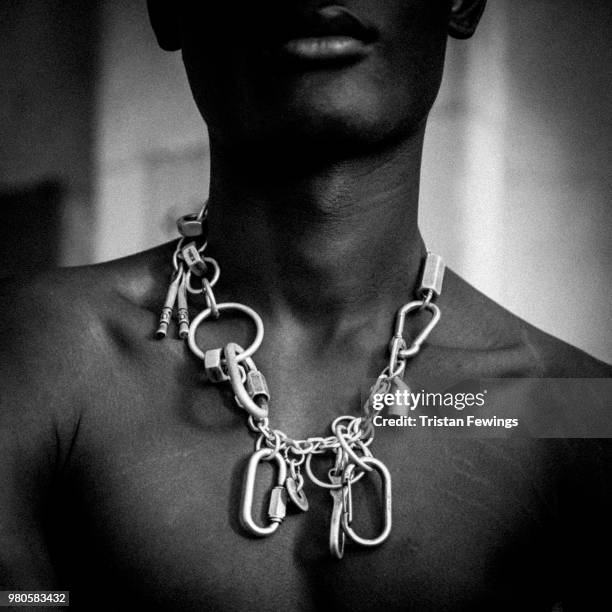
47	75
517	182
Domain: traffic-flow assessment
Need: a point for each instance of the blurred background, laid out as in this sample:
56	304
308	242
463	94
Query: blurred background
101	148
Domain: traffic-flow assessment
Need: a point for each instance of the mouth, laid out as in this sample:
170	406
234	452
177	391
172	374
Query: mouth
332	33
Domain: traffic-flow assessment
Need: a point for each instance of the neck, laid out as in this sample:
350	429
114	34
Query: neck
340	240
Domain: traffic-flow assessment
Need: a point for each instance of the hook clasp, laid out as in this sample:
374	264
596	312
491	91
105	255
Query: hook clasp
336	533
347	517
342	513
253	399
278	495
400	352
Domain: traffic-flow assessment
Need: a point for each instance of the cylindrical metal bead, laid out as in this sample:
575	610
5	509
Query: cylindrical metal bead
164	321
278	504
183	321
433	274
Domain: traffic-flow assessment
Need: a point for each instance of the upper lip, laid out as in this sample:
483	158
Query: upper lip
329	21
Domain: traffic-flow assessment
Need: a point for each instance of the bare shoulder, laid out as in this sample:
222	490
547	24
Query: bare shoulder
60	338
560	359
478	324
46	319
62	328
70	303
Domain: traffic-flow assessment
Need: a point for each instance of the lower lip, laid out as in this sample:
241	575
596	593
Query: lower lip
326	48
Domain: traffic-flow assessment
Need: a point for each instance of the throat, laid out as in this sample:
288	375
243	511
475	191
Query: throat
342	242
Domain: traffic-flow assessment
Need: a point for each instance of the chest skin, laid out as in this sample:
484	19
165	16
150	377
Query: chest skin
151	501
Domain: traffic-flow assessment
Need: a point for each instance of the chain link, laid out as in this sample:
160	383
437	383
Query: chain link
277	439
351	434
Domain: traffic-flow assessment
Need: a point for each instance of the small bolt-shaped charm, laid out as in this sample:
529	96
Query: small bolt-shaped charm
190	226
277	509
213	367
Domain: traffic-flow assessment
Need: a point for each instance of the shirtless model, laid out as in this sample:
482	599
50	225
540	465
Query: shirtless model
121	469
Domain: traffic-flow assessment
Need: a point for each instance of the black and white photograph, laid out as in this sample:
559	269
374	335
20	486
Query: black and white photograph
305	305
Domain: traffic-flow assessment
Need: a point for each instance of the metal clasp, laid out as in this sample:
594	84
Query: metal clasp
342	512
278	496
403	353
336	533
347	516
254	399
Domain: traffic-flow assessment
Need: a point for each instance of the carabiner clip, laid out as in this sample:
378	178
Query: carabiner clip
243	397
278	496
347	515
336	533
413	349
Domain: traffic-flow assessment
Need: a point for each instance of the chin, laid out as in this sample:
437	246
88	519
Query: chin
324	116
323	106
322	127
337	131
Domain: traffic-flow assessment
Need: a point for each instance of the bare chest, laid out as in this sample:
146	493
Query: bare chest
159	490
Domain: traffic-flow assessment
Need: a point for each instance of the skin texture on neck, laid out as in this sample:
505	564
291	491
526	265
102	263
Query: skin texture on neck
315	163
340	239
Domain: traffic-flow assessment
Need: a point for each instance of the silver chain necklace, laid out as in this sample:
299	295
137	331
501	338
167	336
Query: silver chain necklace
351	437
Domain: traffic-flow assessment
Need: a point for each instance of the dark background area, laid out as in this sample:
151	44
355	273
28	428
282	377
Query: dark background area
47	105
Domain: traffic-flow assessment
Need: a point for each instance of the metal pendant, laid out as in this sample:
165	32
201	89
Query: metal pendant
297	496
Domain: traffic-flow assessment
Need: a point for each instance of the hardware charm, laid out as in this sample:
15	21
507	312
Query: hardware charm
351	435
213	366
166	313
403	408
336	533
190	226
296	495
347	517
257	406
183	310
193	259
432	275
276	509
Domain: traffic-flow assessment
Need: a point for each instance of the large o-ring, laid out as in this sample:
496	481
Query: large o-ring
348	450
317	481
202	316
